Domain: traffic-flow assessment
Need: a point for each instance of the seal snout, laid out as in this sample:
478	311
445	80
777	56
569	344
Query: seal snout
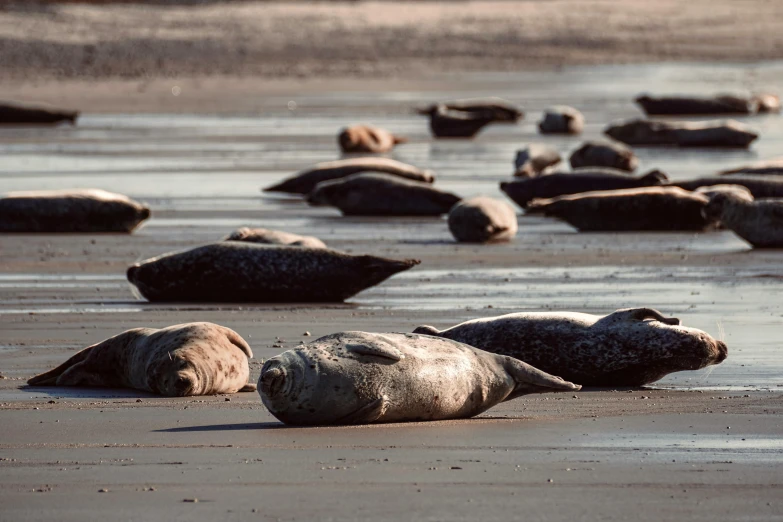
183	386
272	381
144	213
722	351
133	272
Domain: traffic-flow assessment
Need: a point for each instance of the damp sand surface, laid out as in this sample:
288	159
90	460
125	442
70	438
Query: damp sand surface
702	445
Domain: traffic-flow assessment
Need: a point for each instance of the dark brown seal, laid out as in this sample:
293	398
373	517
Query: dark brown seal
696	105
604	154
759	222
365	138
534	160
465	118
561	119
14	114
630	347
482	220
760	186
773	167
236	272
186	359
715	133
266	236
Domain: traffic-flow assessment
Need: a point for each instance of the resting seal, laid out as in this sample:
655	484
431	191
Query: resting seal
604	154
305	181
12	114
482	220
87	210
498	109
649	208
630	347
760	186
382	195
238	272
561	119
523	191
465	118
697	105
178	361
772	167
273	237
716	133
534	160
363	378
365	138
760	223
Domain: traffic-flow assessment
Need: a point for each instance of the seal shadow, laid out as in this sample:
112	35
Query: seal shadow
227	427
75	392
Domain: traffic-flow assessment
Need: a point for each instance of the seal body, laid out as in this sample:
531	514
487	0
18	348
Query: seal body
363	378
234	271
642	209
534	160
772	167
482	220
696	105
561	119
88	210
13	114
465	118
767	103
181	360
760	186
604	154
305	181
716	133
630	347
759	222
382	195
274	237
523	191
365	138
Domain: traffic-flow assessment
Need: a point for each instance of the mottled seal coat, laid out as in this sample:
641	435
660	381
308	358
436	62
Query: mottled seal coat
14	114
760	186
186	359
604	154
382	195
83	210
697	105
772	167
482	220
363	378
715	133
758	222
642	209
465	118
367	139
233	271
273	237
305	181
630	347
523	191
561	119
534	160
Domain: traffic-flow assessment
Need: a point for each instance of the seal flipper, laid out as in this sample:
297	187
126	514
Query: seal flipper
80	374
533	380
426	329
50	378
249	387
640	314
237	340
366	414
378	350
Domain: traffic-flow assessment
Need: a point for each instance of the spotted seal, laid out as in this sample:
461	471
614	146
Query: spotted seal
367	139
561	119
68	211
604	154
760	186
273	237
363	378
178	361
482	220
773	167
759	222
233	271
629	347
535	159
15	114
715	133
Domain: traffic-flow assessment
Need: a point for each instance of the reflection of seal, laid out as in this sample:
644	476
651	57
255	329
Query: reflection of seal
581	180
305	181
382	195
181	360
362	378
715	133
534	160
70	211
274	237
233	271
759	186
365	138
465	118
760	223
649	208
629	347
604	154
772	167
562	119
11	114
482	220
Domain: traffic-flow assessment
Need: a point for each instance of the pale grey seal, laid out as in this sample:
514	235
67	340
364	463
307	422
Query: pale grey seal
561	119
186	359
273	237
698	105
715	133
81	210
604	154
760	186
305	181
767	102
363	378
482	220
14	114
382	195
759	222
712	190
773	167
534	160
367	139
630	347
465	118
642	209
233	271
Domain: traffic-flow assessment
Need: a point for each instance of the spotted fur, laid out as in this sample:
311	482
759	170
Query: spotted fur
482	220
759	222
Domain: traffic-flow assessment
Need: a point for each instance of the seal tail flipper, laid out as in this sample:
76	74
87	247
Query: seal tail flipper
366	414
50	378
533	380
399	139
249	387
237	340
427	330
641	314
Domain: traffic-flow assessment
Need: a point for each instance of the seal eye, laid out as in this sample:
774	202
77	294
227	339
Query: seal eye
182	385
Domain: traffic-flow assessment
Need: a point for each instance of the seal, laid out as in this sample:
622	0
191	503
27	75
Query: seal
382	195
760	223
767	103
760	186
238	272
715	133
365	138
305	181
178	361
696	105
499	109
641	209
482	220
273	237
364	378
773	167
630	347
524	191
604	154
561	119
14	114
465	118
534	160
720	189
70	211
